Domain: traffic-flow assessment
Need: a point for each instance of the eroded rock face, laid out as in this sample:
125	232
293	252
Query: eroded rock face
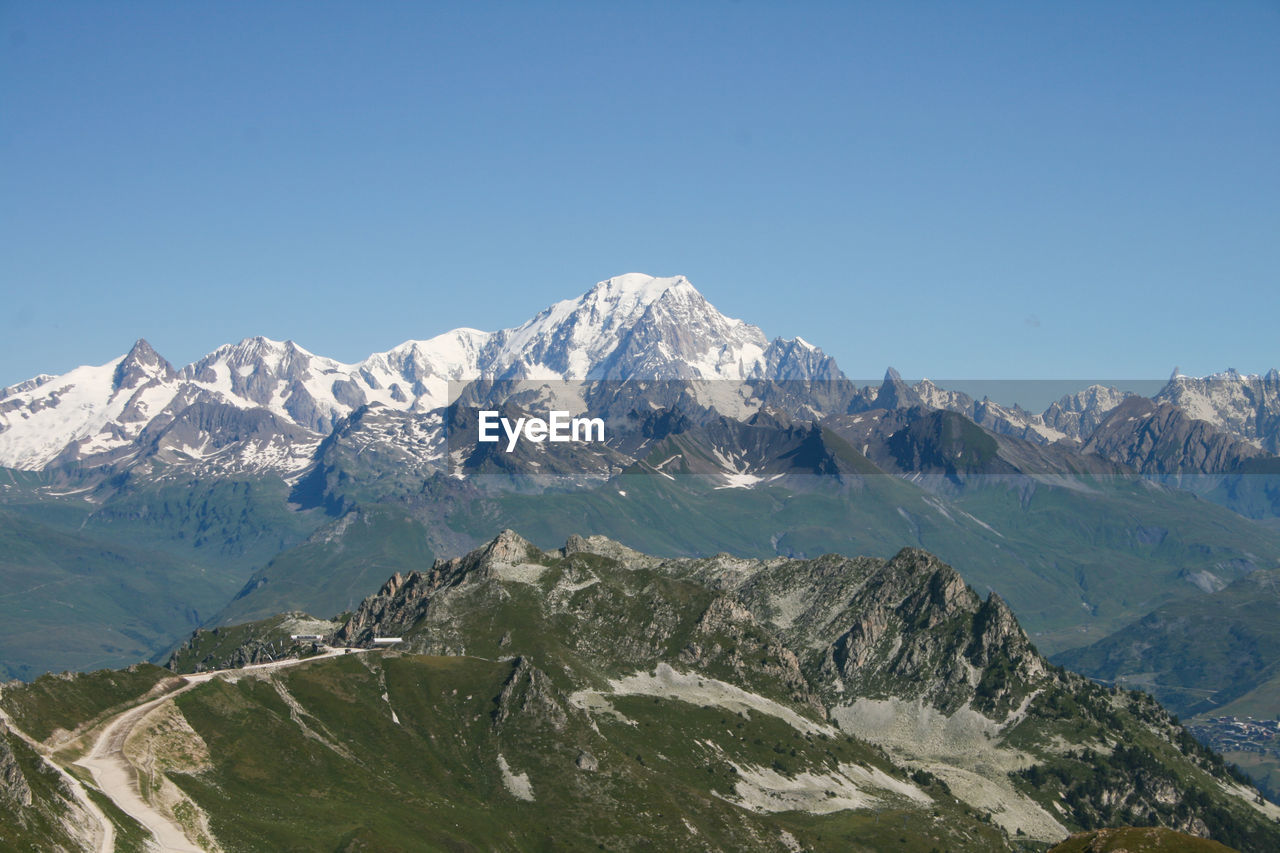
818	632
728	635
13	785
1160	438
529	694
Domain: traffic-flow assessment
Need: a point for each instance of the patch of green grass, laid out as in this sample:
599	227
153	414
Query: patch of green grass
360	781
1138	840
67	700
341	563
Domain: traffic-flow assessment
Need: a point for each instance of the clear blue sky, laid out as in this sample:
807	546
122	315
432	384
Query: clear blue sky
957	189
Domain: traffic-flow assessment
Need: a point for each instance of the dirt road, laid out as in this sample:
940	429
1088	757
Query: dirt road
118	779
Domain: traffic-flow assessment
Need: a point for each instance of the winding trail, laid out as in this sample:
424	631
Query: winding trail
117	778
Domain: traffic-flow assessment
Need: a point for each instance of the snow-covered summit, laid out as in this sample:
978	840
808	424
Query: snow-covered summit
628	326
269	403
1246	405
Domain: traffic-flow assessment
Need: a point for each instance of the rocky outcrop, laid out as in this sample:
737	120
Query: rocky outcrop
403	601
13	785
915	630
1245	406
727	638
1078	415
529	695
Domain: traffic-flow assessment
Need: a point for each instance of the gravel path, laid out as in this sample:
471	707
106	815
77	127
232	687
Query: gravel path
118	779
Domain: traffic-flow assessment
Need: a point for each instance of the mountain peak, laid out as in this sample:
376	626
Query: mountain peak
894	393
632	294
640	286
140	364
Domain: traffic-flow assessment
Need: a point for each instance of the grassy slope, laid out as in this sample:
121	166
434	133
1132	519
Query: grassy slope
433	780
1216	654
75	601
1120	782
35	828
1137	840
91	584
65	701
1109	554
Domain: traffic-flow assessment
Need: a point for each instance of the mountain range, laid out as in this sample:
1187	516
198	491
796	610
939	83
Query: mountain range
263	478
263	405
194	516
594	696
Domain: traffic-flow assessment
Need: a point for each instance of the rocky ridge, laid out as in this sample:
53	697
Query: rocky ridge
871	645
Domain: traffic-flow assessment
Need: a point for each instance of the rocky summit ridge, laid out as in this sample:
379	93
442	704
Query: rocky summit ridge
900	653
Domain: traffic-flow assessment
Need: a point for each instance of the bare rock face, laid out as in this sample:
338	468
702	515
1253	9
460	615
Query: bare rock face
728	636
1162	439
529	695
908	633
508	548
399	604
13	785
907	628
1079	414
404	600
1245	406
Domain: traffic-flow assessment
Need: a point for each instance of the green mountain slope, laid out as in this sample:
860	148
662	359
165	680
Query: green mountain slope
1197	656
97	573
336	566
72	601
595	696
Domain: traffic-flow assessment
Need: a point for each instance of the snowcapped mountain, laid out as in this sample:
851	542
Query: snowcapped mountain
1004	420
1156	437
86	411
1244	405
1078	415
263	403
268	405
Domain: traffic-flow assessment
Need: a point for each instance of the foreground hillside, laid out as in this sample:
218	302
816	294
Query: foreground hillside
592	696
